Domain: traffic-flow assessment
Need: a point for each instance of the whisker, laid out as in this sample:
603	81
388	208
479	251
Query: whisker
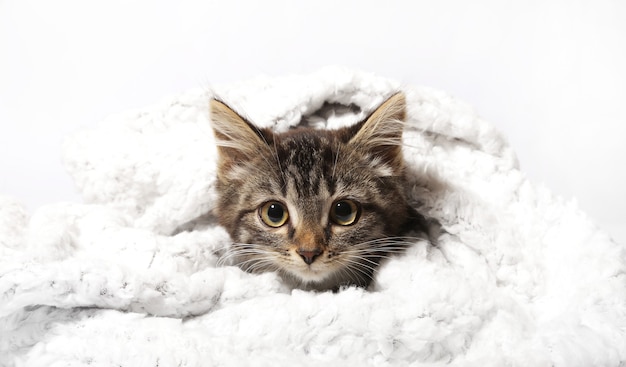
403	239
349	256
257	263
348	270
375	251
261	266
359	271
245	250
385	244
357	263
392	248
360	264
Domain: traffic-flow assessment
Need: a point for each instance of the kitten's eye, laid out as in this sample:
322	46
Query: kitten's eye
274	214
344	212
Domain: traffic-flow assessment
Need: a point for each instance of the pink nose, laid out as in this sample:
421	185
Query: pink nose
309	256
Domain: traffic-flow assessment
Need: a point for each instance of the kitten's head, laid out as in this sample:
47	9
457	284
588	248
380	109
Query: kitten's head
321	207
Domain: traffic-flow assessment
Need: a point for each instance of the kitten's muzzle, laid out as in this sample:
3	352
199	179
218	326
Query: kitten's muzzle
309	256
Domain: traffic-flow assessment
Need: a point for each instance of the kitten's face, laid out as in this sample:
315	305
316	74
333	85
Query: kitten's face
320	207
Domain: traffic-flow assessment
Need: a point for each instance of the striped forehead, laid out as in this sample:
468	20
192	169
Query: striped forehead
307	161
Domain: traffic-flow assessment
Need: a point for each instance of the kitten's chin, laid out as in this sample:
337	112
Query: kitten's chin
327	281
316	280
310	278
309	275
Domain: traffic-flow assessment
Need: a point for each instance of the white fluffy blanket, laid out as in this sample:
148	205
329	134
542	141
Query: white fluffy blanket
521	278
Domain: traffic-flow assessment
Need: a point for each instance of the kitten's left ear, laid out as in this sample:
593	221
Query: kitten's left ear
381	132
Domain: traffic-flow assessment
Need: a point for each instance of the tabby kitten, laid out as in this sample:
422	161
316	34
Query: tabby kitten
320	207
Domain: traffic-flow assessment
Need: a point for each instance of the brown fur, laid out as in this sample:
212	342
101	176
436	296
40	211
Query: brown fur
311	173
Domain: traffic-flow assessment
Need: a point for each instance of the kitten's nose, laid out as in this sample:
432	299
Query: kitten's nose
309	256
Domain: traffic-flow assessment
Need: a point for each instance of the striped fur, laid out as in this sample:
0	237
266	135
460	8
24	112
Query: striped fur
309	171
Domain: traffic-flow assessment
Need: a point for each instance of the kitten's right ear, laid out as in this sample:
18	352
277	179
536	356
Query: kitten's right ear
237	139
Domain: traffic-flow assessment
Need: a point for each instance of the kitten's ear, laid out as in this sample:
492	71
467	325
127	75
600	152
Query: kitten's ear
237	139
381	132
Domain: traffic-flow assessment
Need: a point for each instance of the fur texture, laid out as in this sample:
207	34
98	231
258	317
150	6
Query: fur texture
309	175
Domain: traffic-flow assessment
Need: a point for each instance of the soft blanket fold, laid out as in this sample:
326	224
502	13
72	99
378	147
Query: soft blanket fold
131	278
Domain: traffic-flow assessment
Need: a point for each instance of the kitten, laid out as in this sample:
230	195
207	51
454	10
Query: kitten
320	207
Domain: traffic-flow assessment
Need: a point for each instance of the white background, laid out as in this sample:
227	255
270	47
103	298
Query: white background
550	74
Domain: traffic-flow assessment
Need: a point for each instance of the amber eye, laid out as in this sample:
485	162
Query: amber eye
344	212
274	214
